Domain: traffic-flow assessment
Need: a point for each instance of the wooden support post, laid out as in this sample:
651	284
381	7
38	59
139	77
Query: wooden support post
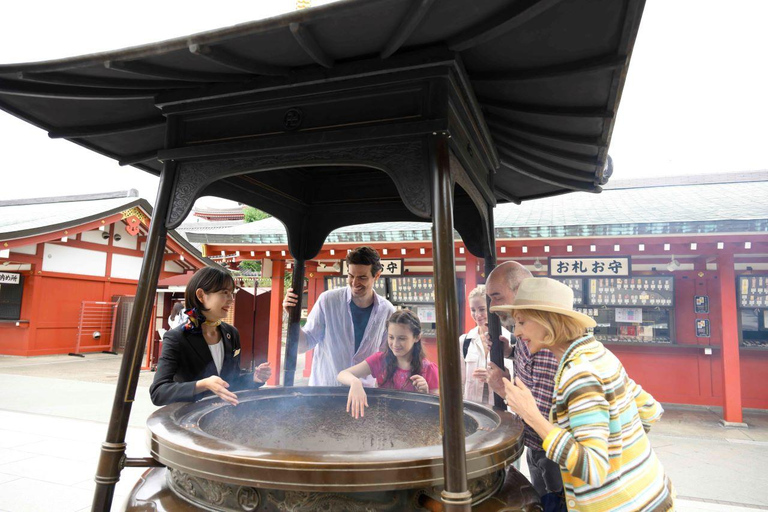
33	305
494	323
294	324
730	325
470	283
455	496
275	344
113	449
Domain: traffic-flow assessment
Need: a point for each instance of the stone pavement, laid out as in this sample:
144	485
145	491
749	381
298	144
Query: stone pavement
54	411
712	466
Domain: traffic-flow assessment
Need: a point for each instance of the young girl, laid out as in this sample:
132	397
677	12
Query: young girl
403	366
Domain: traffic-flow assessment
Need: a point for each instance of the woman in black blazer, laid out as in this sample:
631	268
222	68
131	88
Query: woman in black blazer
202	357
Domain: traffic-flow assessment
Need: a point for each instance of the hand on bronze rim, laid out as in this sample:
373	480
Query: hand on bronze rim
357	400
218	387
420	383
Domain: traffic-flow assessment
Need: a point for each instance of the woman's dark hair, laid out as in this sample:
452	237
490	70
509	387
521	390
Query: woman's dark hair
409	319
177	309
211	280
365	255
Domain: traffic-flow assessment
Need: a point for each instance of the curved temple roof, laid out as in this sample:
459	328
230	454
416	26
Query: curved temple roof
547	74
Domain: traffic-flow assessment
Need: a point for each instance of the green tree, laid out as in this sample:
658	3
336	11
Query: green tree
250	266
288	279
253	214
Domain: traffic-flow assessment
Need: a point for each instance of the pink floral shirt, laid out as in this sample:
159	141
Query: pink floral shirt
402	378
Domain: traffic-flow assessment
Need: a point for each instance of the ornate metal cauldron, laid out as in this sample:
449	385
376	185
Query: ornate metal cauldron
296	449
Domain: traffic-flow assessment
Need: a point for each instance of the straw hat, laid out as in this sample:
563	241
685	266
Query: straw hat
544	294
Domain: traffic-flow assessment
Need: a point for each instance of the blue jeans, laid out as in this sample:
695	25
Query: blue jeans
545	474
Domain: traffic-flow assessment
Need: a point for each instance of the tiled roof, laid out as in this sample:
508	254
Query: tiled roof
211	210
208	225
679	209
30	217
21	218
689	179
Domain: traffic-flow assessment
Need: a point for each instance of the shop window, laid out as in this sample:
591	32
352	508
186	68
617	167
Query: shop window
10	300
627	309
643	325
753	314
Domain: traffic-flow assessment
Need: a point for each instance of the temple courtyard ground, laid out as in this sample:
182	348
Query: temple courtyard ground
54	412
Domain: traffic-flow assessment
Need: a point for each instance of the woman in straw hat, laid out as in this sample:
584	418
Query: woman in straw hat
596	430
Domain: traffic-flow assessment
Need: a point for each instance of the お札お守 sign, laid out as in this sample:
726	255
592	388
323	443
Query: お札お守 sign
390	267
590	267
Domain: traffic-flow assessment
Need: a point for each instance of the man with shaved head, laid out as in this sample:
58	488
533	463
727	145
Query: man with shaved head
501	286
537	371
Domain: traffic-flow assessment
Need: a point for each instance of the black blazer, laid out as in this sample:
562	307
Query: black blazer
186	359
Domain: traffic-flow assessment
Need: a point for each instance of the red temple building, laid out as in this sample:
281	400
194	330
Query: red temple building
686	311
69	267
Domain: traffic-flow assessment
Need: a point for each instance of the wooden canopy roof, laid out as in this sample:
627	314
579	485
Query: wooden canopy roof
546	74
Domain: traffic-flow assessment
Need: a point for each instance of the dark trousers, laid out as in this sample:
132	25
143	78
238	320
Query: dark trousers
545	474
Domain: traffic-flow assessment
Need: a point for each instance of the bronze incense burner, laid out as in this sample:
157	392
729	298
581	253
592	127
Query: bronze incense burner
297	449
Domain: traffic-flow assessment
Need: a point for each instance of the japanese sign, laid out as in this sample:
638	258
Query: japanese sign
701	304
391	267
9	278
702	328
590	267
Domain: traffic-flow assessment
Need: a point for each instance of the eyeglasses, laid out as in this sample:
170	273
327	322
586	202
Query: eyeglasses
228	294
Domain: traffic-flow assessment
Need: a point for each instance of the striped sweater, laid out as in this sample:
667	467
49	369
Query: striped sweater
601	418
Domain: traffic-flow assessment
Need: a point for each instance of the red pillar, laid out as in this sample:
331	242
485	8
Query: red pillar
314	289
35	307
32	310
470	283
275	344
730	326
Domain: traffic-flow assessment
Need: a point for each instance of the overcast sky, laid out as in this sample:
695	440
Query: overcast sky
695	99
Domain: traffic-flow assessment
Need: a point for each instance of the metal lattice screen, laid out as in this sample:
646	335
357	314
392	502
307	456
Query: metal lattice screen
95	327
124	310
